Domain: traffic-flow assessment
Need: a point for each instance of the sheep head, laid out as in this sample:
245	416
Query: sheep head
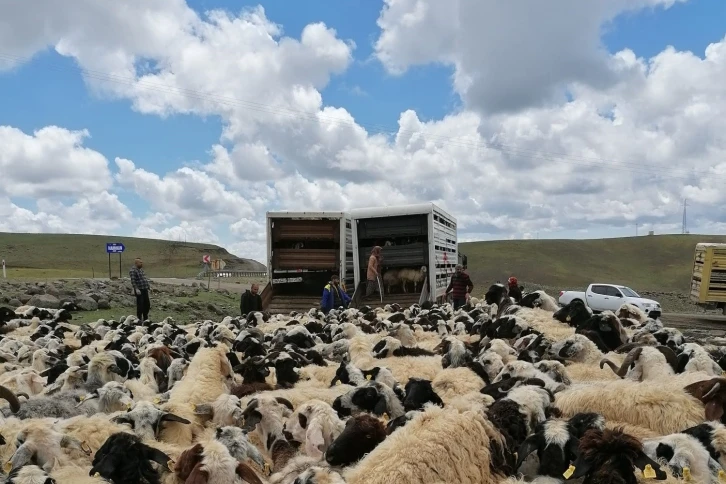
146	420
361	435
611	453
712	393
123	459
633	357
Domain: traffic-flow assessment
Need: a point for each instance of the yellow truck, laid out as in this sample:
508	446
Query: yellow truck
708	280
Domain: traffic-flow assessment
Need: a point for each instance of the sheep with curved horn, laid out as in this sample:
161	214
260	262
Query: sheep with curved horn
647	363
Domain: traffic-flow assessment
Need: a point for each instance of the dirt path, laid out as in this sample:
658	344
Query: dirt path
219	283
697	323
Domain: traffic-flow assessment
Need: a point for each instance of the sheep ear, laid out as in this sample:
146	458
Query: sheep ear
527	447
22	456
714	411
247	474
197	476
170	417
157	456
682	362
582	467
121	419
381	406
251	421
643	460
203	409
314	440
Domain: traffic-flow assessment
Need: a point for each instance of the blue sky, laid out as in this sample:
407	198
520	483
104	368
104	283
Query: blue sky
50	90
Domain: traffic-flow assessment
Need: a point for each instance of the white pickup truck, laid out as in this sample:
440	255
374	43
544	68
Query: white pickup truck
609	297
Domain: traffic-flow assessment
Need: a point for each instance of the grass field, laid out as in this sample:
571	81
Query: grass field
648	263
52	256
229	303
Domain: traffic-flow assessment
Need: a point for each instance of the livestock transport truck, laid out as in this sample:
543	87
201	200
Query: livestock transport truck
708	279
414	239
303	250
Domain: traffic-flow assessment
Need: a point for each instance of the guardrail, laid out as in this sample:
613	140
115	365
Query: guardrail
231	274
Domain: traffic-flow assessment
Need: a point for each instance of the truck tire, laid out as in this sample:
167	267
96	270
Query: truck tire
580	300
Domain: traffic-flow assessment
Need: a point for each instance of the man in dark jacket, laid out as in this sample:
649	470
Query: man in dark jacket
460	287
334	296
251	300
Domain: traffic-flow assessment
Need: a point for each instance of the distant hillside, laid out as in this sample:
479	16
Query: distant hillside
647	263
70	255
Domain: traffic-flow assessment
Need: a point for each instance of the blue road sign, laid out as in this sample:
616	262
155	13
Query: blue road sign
114	248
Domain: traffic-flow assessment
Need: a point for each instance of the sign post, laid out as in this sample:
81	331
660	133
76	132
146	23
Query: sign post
207	265
114	248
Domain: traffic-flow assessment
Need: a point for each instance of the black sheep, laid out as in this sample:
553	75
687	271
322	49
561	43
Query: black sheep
124	459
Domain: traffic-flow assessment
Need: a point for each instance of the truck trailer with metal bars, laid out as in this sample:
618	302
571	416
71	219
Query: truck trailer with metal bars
304	249
708	280
418	238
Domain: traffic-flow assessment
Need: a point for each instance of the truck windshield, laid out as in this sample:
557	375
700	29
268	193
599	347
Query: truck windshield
628	292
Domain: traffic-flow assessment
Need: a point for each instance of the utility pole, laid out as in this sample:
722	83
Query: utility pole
636	229
684	226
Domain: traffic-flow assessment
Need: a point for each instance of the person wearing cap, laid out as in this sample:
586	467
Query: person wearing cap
460	287
515	292
334	295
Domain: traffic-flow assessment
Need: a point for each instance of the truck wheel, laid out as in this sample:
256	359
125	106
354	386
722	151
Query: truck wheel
577	300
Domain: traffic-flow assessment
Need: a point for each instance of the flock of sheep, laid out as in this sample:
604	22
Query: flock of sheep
495	392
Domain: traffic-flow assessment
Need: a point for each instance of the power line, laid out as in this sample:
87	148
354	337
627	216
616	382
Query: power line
478	145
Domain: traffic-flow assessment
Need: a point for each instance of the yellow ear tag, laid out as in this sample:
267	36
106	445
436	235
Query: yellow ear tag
194	407
128	406
721	476
649	472
687	474
266	468
723	373
568	319
8	467
157	400
337	383
96	475
80	399
568	473
368	377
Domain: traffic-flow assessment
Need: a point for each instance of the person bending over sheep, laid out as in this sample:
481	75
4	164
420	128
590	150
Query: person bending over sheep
460	287
334	295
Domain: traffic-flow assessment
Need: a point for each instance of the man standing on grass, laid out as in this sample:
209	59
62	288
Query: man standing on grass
141	290
250	300
460	287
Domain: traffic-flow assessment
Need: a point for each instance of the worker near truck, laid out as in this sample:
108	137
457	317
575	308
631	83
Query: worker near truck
515	292
334	295
250	300
374	271
460	287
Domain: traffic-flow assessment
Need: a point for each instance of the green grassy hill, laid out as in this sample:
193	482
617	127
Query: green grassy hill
69	255
646	263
